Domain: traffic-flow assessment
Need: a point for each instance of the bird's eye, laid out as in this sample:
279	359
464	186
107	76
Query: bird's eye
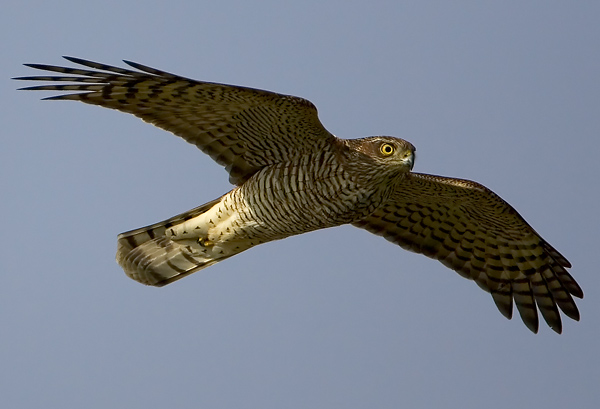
386	149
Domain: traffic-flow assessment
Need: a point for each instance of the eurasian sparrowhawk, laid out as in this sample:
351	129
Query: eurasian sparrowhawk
292	176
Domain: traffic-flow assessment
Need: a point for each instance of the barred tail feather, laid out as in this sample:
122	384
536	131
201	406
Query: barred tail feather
151	258
160	261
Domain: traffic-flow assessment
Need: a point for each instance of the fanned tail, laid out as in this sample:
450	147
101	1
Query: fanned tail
148	256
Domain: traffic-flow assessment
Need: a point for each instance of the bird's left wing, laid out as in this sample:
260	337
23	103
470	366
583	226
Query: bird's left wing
243	129
473	231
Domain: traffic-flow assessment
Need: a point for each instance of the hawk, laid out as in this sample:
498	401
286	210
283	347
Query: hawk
292	176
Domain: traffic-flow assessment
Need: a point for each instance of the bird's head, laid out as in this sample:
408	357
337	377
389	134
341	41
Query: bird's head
387	151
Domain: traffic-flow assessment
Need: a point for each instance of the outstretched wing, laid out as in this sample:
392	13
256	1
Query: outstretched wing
473	231
241	128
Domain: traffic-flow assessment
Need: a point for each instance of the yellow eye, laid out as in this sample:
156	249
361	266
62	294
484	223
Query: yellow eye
386	149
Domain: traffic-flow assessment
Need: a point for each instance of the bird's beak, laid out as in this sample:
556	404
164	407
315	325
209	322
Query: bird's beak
410	161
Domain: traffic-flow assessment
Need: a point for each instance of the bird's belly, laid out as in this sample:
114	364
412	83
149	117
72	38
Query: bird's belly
226	228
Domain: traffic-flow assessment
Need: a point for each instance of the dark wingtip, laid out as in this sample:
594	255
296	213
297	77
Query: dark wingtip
532	324
37	66
150	70
57	97
576	291
75	59
136	65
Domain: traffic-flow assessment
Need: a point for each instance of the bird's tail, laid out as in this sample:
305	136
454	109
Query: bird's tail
147	255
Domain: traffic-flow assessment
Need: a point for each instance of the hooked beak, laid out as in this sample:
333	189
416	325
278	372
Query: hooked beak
410	160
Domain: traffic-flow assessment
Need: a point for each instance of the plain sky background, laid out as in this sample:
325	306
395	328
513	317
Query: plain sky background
506	93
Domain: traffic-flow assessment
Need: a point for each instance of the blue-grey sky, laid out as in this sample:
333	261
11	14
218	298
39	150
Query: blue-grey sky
506	93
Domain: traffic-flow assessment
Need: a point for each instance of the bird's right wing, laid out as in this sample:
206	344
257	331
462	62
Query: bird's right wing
473	231
243	129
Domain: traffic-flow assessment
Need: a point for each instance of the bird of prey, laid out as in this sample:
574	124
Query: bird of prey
292	176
